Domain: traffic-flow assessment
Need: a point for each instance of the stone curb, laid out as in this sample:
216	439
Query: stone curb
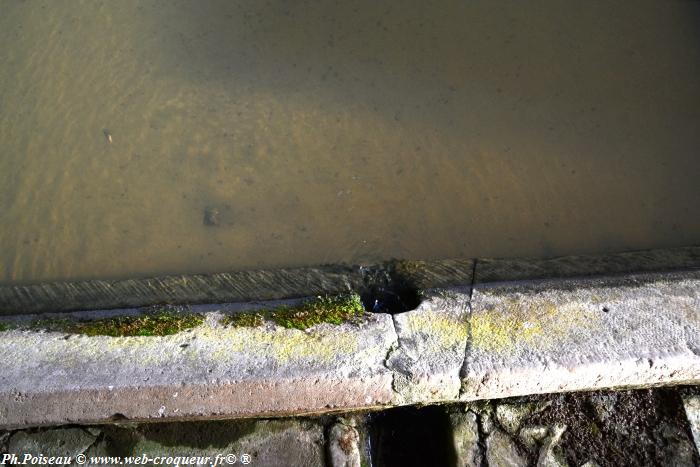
230	287
580	334
278	284
497	340
621	428
196	288
212	371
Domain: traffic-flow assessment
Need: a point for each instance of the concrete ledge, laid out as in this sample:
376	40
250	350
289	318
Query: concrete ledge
300	282
195	288
461	343
430	348
631	262
552	336
209	372
229	287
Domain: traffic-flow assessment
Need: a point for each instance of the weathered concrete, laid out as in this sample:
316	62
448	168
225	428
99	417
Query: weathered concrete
610	428
430	348
464	431
632	262
344	445
63	442
268	443
195	288
299	282
208	372
692	410
552	336
265	442
239	286
508	339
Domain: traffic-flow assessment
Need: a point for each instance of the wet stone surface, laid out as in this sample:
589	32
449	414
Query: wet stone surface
263	442
609	428
624	428
60	442
692	411
344	444
645	427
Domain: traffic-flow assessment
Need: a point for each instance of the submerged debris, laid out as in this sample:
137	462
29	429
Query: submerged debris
108	135
211	216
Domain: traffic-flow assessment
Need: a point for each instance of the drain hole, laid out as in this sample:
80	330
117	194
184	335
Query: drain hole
392	301
411	436
387	289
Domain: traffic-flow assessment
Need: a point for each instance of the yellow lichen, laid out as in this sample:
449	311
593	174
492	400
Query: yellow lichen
502	329
281	344
446	330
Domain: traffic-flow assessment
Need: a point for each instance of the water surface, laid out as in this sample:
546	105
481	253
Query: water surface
355	131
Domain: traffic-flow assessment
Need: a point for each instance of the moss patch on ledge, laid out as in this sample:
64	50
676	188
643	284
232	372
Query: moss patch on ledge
335	309
159	323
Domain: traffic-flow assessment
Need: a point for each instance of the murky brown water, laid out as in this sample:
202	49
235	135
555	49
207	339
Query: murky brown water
354	131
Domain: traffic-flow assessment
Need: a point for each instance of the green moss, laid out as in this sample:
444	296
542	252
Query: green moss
336	309
161	323
4	327
49	324
157	324
250	320
329	309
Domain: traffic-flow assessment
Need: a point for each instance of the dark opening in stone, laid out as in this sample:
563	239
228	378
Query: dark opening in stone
386	291
408	436
387	300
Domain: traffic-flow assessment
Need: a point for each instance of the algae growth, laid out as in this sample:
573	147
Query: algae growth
336	309
159	323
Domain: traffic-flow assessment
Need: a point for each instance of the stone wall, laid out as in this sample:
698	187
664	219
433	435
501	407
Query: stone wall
623	428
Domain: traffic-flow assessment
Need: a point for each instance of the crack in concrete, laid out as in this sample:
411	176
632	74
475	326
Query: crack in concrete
463	371
471	286
395	345
467	345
